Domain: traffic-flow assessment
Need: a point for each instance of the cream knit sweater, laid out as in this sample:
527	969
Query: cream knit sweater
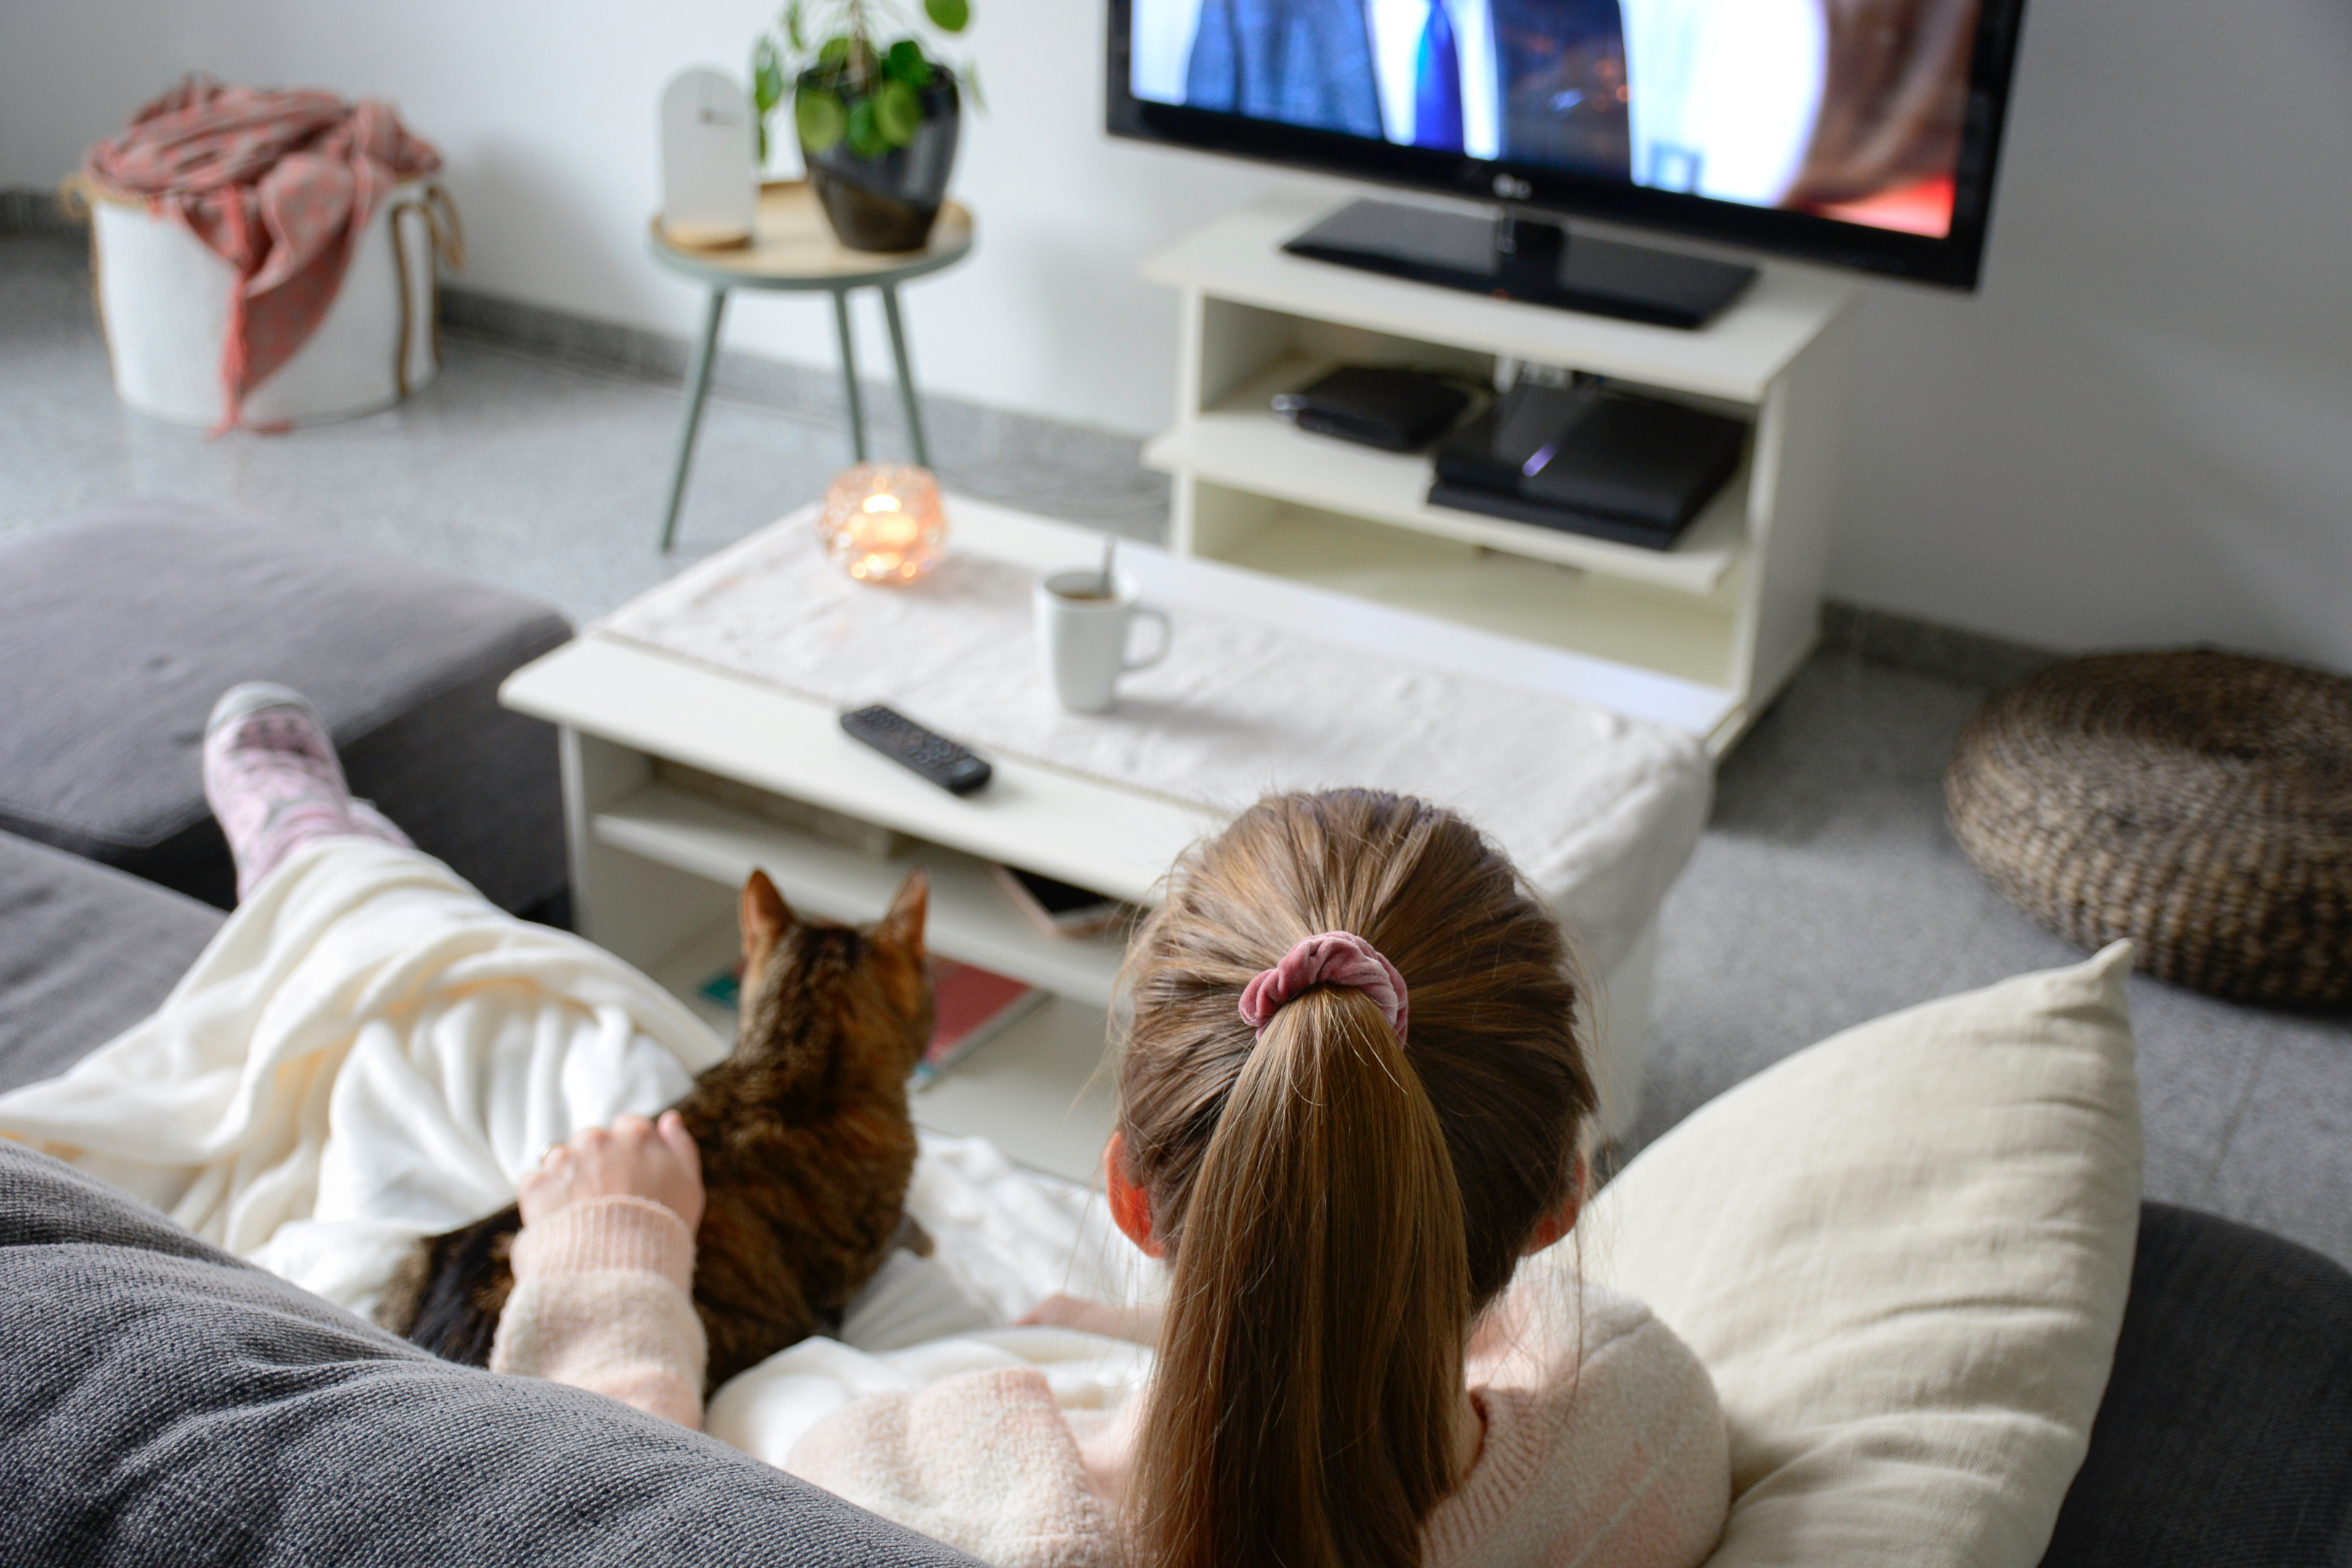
1603	1445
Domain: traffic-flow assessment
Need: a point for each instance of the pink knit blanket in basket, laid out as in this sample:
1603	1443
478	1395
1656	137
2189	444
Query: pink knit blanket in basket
280	186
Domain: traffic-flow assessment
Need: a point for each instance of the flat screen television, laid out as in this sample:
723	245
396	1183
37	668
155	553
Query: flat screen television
1860	133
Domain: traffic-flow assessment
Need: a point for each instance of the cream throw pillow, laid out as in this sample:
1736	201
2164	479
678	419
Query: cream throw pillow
1903	1252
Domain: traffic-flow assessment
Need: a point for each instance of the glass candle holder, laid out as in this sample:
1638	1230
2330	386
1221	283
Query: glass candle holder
882	522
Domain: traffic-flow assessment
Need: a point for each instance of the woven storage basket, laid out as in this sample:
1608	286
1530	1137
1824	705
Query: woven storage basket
2197	802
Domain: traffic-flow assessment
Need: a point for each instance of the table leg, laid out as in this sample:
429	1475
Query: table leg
906	374
849	373
698	387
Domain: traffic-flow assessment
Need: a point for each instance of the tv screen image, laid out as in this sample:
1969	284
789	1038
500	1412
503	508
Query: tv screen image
1861	131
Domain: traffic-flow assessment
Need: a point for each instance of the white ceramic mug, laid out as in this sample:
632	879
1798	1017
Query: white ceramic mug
1082	635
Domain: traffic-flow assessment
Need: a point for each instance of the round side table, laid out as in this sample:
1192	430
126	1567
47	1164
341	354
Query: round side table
792	250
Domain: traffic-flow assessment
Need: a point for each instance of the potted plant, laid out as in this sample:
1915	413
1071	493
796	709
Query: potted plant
876	111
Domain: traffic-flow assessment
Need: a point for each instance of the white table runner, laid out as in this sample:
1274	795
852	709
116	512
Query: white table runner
1599	810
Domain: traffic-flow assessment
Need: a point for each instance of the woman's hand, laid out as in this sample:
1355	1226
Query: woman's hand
632	1158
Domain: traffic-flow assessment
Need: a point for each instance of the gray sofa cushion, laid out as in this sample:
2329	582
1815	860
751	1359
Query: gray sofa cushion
2225	1436
168	1404
118	631
84	953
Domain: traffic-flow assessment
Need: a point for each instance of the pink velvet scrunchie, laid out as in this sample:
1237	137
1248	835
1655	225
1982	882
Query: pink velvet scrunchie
1333	958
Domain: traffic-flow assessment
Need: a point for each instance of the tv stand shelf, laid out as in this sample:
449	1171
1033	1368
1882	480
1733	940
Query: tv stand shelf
1734	607
1242	442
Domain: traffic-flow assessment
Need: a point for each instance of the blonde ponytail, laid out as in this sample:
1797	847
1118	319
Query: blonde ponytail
1336	1204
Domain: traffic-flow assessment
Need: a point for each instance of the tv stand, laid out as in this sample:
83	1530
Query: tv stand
1533	260
1699	637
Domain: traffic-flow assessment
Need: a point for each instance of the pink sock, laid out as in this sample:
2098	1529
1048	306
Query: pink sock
273	780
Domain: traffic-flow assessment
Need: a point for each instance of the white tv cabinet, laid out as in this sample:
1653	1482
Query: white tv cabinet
1701	636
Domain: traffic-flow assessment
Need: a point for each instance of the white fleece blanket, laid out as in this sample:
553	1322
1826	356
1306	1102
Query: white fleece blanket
368	1052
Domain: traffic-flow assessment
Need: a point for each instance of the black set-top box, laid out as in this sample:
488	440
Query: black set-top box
1388	406
1589	459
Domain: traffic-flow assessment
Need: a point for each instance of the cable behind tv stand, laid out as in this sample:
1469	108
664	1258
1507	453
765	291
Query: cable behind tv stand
1533	260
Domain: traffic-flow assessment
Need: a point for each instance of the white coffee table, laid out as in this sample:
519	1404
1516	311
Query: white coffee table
655	870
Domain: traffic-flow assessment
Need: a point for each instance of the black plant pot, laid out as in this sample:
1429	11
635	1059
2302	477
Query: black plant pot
889	203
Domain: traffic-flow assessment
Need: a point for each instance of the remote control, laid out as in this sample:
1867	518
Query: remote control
915	749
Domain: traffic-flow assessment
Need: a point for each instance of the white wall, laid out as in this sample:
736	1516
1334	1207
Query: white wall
2140	430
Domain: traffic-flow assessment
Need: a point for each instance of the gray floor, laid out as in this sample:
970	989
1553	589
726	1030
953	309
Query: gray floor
1827	890
544	475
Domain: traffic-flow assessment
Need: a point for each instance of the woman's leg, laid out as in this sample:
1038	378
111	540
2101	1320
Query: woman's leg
272	777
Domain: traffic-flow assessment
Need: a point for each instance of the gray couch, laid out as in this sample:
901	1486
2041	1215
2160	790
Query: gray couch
166	1403
119	628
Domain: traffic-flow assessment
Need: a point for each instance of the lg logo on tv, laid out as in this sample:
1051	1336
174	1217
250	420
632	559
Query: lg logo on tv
1511	188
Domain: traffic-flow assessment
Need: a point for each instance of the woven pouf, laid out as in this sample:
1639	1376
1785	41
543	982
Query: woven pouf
2197	802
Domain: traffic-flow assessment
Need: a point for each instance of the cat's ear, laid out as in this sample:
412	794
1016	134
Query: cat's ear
902	926
898	949
766	920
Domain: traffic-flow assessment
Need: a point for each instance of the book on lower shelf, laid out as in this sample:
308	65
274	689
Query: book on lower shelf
971	1007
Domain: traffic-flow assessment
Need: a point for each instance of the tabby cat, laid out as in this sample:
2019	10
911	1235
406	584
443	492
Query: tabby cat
806	1146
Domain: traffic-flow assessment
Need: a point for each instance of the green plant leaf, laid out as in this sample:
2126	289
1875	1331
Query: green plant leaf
834	53
865	138
793	32
905	62
948	16
821	118
897	112
767	78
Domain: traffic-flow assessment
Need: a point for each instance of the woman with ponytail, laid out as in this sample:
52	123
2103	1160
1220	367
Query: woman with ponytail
1352	1098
